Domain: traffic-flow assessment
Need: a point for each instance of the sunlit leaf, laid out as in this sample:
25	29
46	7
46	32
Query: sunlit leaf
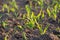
4	24
48	12
14	4
20	27
45	29
28	11
31	24
12	9
55	16
38	15
5	5
40	28
24	36
5	38
42	14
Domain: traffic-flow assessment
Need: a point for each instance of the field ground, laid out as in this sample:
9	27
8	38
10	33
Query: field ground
30	20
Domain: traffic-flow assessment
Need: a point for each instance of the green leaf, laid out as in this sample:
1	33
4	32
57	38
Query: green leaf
33	16
42	14
4	24
30	24
12	9
24	36
14	4
48	12
1	15
5	5
20	27
16	14
28	11
5	38
46	29
38	16
55	16
40	28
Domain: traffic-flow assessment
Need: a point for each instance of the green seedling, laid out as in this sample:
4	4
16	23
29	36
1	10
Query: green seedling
20	27
33	16
42	31
58	29
39	27
41	3
38	16
32	19
5	38
24	36
4	24
30	14
24	16
28	9
45	29
15	14
13	4
12	7
1	15
55	11
42	14
48	12
31	24
5	6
